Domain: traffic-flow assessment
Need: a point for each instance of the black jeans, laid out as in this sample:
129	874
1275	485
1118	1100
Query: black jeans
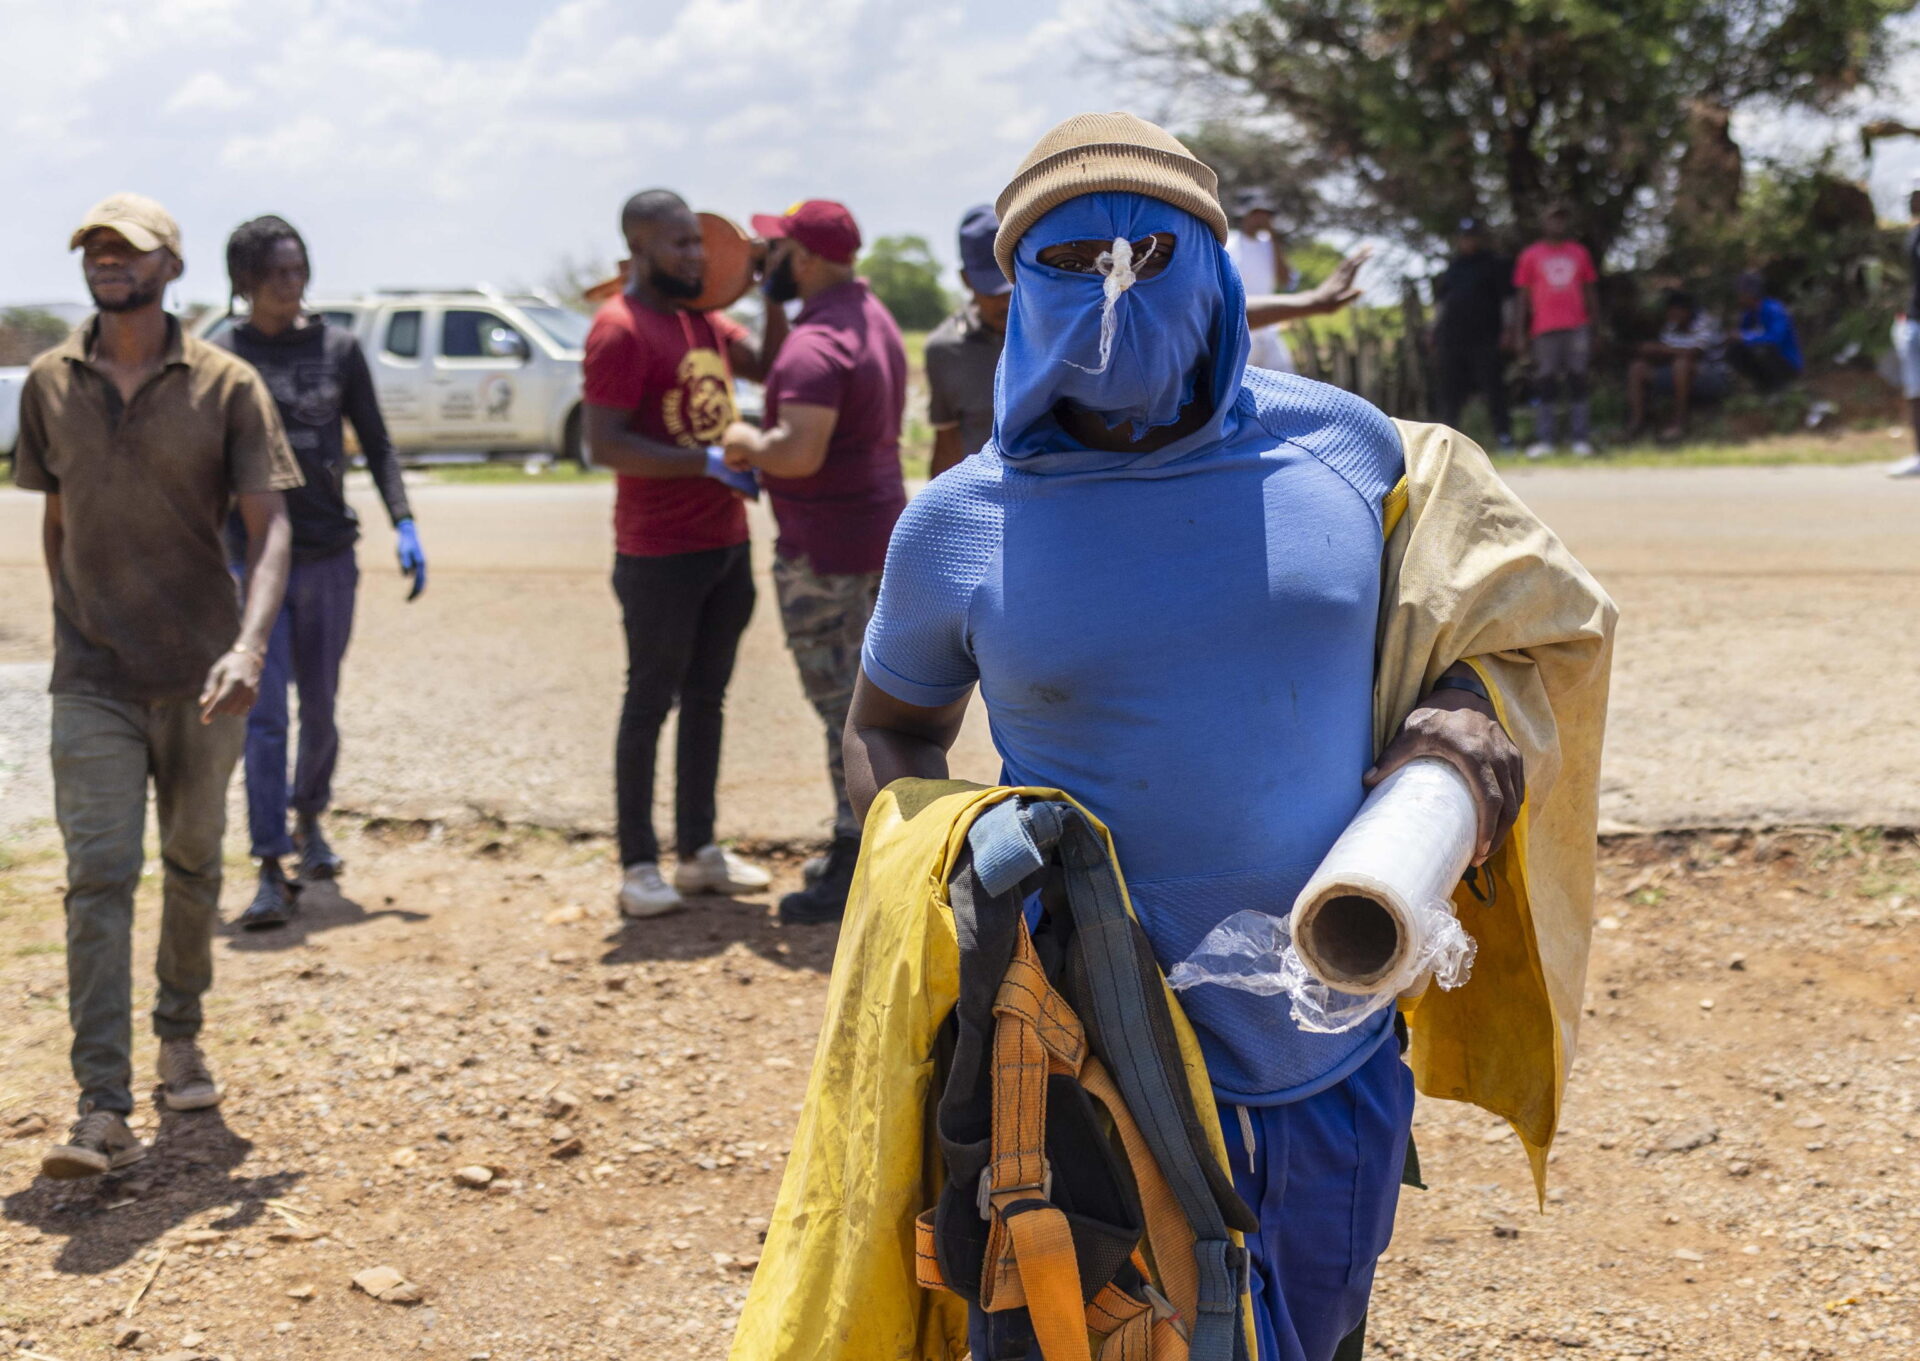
684	615
1469	367
1762	365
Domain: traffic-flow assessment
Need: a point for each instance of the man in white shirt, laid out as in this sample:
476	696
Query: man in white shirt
1687	364
1261	257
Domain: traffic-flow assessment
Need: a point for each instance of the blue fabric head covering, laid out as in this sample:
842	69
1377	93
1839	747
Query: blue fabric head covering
1182	326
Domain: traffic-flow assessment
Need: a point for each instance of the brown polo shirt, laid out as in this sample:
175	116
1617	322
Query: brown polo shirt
143	603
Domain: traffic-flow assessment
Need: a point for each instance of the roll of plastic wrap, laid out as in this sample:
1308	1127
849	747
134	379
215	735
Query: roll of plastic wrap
1362	923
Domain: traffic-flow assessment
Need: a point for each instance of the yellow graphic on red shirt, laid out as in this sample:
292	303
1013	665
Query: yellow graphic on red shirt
700	407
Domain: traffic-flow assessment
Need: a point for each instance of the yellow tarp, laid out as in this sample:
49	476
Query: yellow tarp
835	1281
1473	574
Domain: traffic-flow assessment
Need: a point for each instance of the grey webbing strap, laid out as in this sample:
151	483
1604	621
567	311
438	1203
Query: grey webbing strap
1009	842
1121	1009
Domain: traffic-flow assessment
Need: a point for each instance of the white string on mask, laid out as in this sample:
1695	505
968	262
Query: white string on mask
1118	267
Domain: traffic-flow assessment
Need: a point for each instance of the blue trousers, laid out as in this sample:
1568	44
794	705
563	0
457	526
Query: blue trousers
308	644
1324	1177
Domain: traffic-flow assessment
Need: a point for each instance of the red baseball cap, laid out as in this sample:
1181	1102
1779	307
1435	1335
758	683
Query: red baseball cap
824	227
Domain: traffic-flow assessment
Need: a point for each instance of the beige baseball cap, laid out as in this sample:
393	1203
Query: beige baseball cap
145	224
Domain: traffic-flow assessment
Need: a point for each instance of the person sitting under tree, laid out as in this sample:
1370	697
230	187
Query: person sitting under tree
1687	364
1765	347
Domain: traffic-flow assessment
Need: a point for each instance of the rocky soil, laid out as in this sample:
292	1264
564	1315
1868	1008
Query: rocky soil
470	1114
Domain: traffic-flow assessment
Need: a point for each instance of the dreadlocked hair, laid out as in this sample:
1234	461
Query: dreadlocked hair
250	246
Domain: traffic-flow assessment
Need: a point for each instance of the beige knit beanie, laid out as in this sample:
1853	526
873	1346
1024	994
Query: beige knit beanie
1097	153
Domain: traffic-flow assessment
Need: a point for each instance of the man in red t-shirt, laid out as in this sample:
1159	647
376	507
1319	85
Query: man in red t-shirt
658	382
1559	299
830	454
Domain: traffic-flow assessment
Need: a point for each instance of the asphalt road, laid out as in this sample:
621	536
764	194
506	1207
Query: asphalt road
1765	672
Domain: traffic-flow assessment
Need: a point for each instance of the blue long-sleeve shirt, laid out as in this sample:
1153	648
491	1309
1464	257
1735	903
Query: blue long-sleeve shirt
1771	324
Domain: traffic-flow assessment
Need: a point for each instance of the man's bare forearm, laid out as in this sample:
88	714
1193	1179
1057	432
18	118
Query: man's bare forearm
53	535
887	739
1273	308
876	757
622	451
946	450
269	560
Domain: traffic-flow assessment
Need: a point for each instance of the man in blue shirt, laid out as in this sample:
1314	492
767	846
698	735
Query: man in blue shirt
1164	575
1765	348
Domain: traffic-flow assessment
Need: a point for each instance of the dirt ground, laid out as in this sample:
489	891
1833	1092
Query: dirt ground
1733	1182
1764	673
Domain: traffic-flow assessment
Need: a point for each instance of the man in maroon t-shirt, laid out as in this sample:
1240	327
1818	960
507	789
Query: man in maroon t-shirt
658	384
830	454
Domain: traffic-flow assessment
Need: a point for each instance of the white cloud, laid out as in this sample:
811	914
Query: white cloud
486	140
208	91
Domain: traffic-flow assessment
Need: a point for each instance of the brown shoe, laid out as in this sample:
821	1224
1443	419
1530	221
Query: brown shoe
98	1142
183	1072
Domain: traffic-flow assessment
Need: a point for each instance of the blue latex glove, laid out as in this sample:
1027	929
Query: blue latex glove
746	483
413	561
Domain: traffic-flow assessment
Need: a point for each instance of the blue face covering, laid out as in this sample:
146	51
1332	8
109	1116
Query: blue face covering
1184	326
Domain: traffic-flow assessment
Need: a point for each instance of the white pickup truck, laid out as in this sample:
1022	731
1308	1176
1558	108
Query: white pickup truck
11	380
469	371
458	371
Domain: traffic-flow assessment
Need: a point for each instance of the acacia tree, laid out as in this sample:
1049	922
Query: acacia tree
1428	110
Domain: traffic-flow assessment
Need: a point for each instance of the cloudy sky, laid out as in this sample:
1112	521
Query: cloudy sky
456	141
453	141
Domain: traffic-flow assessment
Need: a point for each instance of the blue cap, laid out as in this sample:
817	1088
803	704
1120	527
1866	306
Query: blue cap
978	227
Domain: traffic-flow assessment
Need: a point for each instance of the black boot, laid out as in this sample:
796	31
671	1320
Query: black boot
317	858
825	899
273	902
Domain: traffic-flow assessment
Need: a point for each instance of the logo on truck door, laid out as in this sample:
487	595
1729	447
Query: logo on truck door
496	398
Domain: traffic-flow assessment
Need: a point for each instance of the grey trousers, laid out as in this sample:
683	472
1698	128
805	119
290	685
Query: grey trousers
104	753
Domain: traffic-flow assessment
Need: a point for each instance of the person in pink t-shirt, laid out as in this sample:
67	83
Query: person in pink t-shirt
1557	282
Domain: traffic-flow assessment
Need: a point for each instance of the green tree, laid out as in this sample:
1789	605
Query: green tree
906	277
26	332
1422	111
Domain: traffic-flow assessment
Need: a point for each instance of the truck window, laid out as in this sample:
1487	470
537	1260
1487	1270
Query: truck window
403	335
466	334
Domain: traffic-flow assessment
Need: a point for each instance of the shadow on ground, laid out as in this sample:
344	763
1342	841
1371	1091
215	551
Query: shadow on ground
709	925
320	907
188	1170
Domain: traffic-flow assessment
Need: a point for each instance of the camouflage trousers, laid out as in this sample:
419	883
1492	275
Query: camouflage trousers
825	618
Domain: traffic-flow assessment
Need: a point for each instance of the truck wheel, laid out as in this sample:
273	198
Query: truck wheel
574	442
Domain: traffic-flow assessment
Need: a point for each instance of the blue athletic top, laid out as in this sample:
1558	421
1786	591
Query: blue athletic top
1188	649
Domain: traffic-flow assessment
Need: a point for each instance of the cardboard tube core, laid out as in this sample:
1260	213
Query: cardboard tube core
1350	940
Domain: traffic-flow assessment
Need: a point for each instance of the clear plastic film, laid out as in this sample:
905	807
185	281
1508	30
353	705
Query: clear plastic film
1374	921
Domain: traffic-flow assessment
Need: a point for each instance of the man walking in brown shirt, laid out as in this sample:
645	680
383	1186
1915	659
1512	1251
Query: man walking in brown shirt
141	437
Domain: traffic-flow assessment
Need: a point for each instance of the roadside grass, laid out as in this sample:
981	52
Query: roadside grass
514	471
1849	447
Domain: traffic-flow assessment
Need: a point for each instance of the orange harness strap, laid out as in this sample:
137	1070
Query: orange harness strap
1030	1261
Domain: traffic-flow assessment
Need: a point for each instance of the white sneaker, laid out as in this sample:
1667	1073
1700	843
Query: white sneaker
1584	449
1539	449
1906	467
715	869
643	893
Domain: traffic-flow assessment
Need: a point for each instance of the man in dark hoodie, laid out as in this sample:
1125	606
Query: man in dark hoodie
317	375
